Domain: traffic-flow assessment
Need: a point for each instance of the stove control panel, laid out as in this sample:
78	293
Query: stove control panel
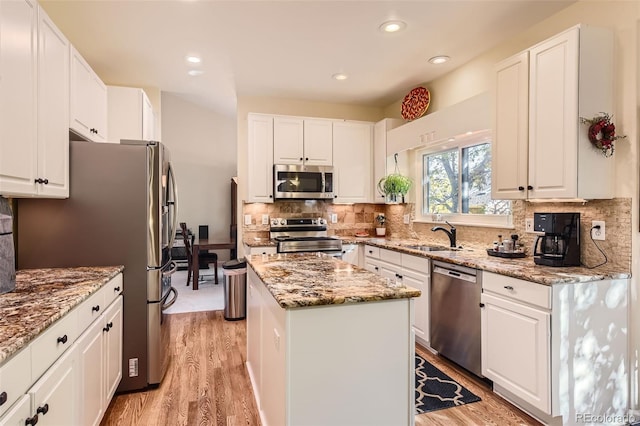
298	222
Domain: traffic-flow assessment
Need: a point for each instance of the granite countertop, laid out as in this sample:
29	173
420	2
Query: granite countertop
259	242
523	268
41	297
308	279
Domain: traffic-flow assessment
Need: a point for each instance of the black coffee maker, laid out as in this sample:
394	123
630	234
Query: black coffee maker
560	244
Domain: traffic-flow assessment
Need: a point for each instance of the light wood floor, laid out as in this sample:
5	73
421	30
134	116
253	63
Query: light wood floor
207	384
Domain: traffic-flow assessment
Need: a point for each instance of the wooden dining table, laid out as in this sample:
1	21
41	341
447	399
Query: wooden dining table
206	244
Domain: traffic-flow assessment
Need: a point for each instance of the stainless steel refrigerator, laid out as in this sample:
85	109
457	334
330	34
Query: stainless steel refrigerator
121	211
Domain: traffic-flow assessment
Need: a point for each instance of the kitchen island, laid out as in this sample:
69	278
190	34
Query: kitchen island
329	343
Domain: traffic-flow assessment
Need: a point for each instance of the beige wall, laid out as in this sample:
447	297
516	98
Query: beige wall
203	150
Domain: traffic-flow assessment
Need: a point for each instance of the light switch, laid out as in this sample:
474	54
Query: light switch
247	219
334	218
265	219
407	219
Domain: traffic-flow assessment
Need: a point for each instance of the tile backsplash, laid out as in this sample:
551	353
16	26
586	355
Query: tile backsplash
361	217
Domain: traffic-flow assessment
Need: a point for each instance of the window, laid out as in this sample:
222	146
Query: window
456	183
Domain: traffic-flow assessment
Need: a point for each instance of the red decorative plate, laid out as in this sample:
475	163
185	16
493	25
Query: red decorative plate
415	104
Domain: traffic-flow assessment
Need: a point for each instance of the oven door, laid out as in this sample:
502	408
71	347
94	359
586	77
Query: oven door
302	182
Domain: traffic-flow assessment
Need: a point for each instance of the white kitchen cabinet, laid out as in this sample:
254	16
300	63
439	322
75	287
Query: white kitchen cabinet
380	154
260	161
260	250
113	349
352	152
34	142
254	335
298	140
130	114
15	379
88	103
19	413
557	332
570	76
352	253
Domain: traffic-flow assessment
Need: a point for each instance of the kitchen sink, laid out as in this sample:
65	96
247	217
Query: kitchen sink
428	247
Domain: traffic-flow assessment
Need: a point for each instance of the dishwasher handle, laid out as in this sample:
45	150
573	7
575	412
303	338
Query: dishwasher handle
454	274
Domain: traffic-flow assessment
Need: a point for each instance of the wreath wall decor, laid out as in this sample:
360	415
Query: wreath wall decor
602	133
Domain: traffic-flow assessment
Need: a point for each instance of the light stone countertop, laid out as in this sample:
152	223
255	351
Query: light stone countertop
43	296
309	279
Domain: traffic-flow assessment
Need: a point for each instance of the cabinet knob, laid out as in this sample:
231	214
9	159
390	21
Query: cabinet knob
521	188
40	180
481	305
508	287
63	339
3	398
270	196
95	308
306	159
335	196
375	267
110	324
44	409
116	289
31	420
300	158
529	187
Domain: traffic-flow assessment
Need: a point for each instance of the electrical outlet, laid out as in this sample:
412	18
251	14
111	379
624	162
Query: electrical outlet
334	217
406	218
265	219
598	234
528	225
247	219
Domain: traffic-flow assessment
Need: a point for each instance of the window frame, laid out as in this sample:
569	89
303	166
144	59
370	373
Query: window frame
456	143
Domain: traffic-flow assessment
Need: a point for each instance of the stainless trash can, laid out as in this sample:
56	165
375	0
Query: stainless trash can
235	289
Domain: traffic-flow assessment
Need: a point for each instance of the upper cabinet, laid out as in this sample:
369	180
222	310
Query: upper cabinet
569	76
34	138
352	148
88	101
260	161
130	114
380	154
299	140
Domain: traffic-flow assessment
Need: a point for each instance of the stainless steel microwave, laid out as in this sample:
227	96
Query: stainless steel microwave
292	181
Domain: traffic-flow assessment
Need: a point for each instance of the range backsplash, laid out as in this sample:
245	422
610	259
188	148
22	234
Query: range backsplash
360	217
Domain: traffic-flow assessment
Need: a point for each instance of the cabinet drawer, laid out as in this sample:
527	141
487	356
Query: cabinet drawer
390	256
53	343
113	289
15	378
524	291
371	251
91	309
263	250
416	263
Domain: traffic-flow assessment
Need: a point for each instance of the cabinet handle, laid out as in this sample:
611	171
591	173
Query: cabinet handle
63	339
95	308
46	181
375	267
116	289
399	276
481	305
44	409
508	287
306	159
370	251
3	398
335	196
108	327
529	187
300	158
521	188
31	420
110	324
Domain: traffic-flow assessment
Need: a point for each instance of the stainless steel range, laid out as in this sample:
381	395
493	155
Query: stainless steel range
295	235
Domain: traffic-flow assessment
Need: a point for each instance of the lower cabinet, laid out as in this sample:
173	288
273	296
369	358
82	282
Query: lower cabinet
413	271
82	374
352	253
259	250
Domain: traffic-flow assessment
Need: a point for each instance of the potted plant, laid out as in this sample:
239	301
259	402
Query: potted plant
380	229
393	185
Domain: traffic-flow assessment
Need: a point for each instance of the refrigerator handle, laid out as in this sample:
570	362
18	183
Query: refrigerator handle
174	189
174	268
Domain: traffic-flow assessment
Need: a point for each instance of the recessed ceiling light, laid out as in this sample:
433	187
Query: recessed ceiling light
195	72
193	59
451	139
340	76
392	26
439	59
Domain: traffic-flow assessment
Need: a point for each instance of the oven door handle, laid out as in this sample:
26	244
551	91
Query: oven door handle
168	304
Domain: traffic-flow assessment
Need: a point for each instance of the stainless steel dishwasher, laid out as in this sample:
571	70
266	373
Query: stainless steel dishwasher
455	314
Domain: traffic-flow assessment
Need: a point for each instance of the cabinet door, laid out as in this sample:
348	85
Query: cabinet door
509	150
260	162
318	142
18	70
513	336
91	351
113	350
351	254
421	304
352	162
288	139
18	414
53	109
372	265
88	102
553	117
98	107
55	395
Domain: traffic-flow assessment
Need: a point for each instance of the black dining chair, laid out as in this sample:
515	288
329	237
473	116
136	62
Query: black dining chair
204	257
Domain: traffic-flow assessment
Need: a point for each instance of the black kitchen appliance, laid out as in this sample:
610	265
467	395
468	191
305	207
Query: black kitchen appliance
560	244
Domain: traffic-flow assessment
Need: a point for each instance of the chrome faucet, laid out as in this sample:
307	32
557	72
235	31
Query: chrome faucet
451	232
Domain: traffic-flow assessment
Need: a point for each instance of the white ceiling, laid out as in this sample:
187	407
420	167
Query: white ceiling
286	49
